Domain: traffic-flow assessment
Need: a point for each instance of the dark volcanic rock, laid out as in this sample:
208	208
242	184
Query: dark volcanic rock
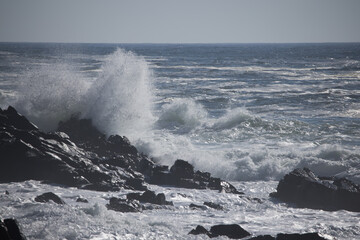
182	169
4	235
81	156
233	231
27	153
297	236
12	230
124	205
199	230
82	200
303	188
194	206
149	197
214	205
49	196
182	174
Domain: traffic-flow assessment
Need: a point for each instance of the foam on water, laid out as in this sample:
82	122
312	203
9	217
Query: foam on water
226	138
118	101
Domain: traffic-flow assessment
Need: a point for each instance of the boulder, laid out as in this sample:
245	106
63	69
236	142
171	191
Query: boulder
49	196
305	189
124	205
297	236
149	197
82	200
11	231
232	231
214	205
199	230
182	169
194	206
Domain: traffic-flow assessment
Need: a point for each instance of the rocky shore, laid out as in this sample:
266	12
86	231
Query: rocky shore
79	155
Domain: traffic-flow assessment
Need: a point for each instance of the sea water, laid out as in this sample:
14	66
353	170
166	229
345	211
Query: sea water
248	113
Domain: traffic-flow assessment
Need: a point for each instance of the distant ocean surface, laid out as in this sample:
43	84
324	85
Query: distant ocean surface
240	111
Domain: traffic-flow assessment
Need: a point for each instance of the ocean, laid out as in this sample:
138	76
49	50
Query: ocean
248	113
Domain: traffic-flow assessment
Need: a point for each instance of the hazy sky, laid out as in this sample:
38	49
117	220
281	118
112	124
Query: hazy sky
183	21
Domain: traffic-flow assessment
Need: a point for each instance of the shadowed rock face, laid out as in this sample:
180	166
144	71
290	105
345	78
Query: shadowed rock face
10	230
79	155
303	188
27	153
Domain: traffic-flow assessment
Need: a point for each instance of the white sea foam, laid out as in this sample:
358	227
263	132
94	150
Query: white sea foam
119	101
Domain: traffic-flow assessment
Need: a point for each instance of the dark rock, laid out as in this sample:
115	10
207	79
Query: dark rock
13	229
182	169
29	154
214	205
49	196
194	206
297	236
82	200
7	192
81	156
303	188
123	205
136	184
232	231
4	235
263	237
149	197
11	117
199	230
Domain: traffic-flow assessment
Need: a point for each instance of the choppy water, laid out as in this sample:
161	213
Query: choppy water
240	111
243	112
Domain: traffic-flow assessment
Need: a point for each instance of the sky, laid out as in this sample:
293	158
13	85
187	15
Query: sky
183	21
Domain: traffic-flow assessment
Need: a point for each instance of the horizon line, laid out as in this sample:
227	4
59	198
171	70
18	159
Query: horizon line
182	43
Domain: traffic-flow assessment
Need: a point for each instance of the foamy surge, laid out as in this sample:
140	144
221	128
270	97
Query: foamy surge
239	145
118	101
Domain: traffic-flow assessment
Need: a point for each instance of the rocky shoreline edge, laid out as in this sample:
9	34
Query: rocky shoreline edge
79	155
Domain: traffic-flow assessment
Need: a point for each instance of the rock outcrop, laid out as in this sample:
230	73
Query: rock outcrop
79	155
305	189
28	153
48	197
232	231
10	230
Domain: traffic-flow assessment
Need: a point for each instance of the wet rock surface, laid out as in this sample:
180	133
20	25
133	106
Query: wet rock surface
79	155
305	189
48	197
10	230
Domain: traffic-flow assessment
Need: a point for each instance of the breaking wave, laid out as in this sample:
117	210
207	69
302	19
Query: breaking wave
118	101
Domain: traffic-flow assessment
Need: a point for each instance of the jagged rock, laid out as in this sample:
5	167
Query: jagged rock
84	134
214	205
297	236
124	205
13	230
29	154
49	196
194	206
4	235
149	197
82	200
303	188
182	174
182	169
199	230
81	156
232	231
